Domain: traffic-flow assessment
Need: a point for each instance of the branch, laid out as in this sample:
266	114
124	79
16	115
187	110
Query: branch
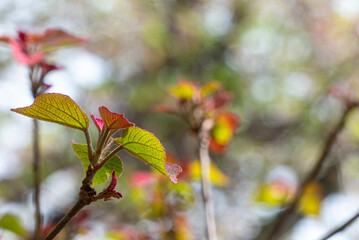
205	178
86	196
312	176
342	227
60	225
37	179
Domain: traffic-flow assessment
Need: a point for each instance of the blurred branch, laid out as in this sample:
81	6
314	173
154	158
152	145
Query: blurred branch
36	156
37	179
278	228
342	227
205	178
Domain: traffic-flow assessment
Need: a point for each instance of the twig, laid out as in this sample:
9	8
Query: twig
342	227
86	196
89	146
36	159
312	176
62	223
205	179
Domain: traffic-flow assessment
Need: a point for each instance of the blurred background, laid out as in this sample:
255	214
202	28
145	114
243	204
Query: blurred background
279	59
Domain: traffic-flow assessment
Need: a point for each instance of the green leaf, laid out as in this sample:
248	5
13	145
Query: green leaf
57	108
13	224
105	172
146	147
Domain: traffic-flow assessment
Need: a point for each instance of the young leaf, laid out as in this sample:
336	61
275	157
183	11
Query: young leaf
13	224
146	147
103	174
114	120
57	108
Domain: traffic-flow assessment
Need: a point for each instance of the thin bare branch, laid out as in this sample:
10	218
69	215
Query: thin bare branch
312	176
341	227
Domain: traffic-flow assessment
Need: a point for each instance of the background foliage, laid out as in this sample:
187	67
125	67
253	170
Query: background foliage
279	58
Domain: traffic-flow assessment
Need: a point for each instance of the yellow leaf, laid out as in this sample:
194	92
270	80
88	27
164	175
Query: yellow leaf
210	88
311	200
57	108
216	176
184	90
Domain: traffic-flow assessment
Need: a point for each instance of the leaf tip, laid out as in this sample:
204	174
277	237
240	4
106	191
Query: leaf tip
173	170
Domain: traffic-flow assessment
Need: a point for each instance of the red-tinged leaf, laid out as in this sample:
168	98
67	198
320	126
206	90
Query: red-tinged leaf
5	39
57	108
223	131
24	57
54	38
217	148
47	67
220	100
114	120
109	193
98	122
172	171
146	147
231	119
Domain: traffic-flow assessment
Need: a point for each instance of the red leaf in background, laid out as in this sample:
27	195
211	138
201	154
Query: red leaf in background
24	45
217	148
98	122
22	55
53	38
231	119
47	67
114	120
223	131
141	179
220	100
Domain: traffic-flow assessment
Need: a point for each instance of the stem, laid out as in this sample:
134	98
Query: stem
62	223
108	157
89	146
312	176
205	180
36	160
100	144
342	227
37	179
